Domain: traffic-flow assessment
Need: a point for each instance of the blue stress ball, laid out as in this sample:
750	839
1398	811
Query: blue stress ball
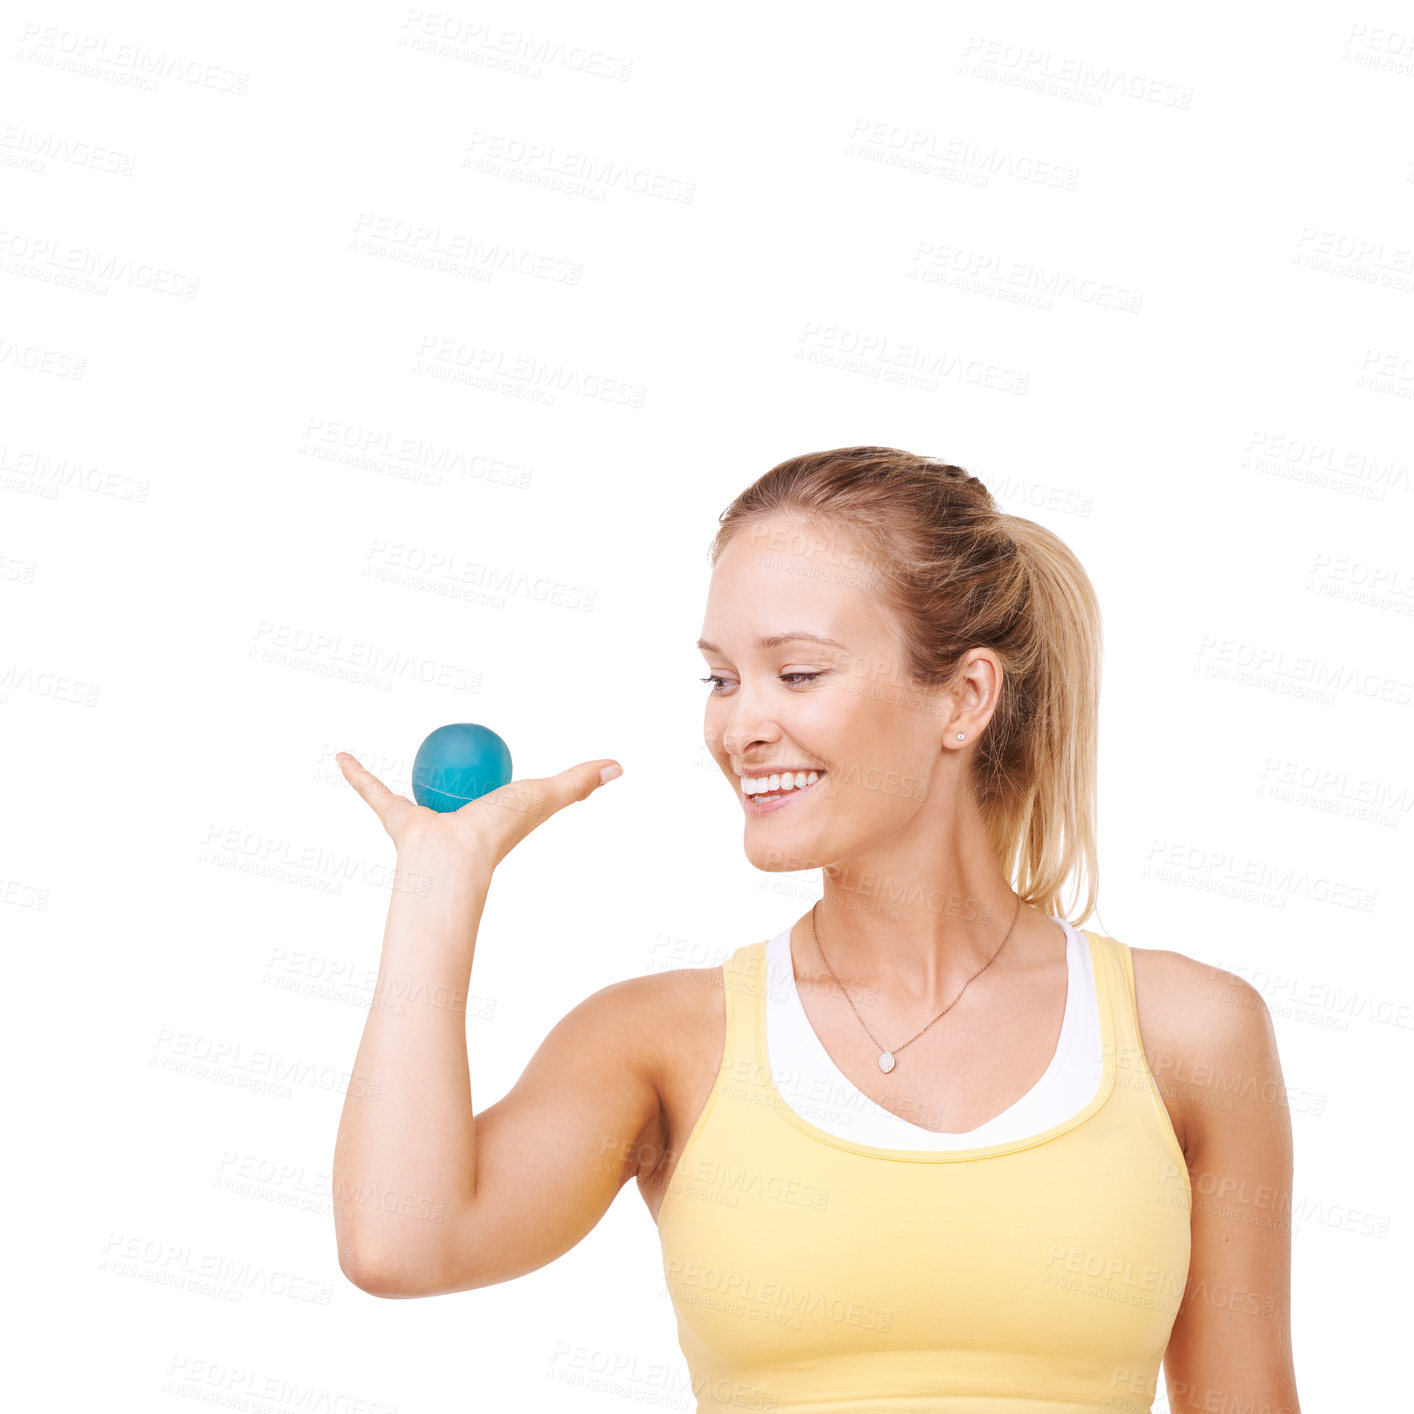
456	764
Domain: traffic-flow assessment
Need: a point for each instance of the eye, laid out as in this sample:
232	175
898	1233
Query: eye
792	678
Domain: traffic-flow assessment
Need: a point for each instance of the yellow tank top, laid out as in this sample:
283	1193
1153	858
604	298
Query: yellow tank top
813	1275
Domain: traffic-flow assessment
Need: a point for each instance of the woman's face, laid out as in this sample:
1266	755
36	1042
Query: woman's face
845	709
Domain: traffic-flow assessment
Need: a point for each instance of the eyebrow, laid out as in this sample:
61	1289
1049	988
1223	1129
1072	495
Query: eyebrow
775	640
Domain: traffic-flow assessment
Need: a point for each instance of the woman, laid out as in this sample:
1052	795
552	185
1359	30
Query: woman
912	1151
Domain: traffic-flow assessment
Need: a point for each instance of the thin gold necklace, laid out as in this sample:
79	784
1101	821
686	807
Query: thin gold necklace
887	1058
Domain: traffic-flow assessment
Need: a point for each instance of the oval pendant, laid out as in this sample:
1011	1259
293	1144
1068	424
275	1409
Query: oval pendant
886	1062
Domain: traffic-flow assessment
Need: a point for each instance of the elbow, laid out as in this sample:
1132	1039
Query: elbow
404	1264
379	1277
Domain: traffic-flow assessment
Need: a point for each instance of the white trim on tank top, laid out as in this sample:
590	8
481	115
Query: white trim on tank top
816	1089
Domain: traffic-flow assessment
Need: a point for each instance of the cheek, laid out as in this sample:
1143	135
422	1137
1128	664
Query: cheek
882	764
875	792
840	712
874	729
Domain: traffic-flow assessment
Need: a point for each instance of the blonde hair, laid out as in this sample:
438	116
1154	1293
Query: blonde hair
959	573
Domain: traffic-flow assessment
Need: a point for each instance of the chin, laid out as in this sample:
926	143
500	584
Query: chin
781	858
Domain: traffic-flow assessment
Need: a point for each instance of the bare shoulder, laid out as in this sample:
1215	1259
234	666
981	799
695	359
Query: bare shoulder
656	1003
680	1017
668	999
1203	1028
684	1009
1189	997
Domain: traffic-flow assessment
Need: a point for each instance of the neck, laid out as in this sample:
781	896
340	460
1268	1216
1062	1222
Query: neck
867	950
917	913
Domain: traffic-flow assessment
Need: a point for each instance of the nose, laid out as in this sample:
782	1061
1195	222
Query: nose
747	724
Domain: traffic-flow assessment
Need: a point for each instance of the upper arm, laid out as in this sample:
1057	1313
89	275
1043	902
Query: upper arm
552	1154
1231	1341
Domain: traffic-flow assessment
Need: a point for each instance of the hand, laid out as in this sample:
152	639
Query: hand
487	828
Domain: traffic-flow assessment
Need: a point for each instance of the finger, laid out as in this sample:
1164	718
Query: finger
384	801
531	801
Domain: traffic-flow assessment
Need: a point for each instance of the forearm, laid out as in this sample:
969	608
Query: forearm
405	1157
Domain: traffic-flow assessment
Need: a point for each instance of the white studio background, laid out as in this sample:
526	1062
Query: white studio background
369	368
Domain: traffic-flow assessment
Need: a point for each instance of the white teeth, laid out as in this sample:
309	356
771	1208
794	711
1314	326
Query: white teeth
785	780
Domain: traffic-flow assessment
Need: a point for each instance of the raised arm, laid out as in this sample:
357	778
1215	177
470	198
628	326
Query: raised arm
428	1196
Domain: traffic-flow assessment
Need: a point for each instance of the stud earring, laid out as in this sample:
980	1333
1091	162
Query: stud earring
959	736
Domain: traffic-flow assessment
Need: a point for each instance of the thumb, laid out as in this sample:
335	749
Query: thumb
583	780
532	802
541	798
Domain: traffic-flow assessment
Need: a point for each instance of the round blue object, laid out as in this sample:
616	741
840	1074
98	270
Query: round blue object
457	764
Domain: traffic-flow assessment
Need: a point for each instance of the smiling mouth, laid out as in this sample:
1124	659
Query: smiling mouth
758	802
